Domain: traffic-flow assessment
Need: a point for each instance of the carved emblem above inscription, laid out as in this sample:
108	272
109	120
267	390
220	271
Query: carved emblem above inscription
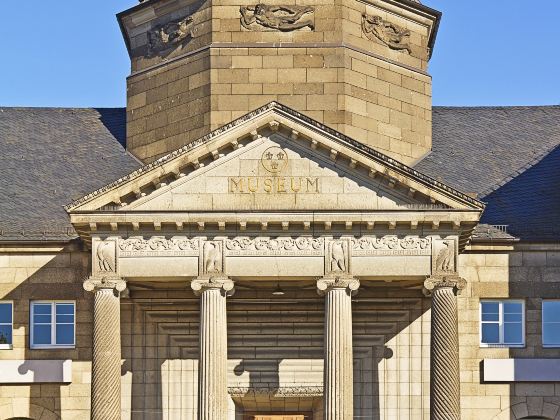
390	34
391	245
164	39
274	159
158	246
303	245
277	18
105	257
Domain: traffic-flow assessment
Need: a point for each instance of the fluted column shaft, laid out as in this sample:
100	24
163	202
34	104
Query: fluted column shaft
445	395
106	362
338	392
212	368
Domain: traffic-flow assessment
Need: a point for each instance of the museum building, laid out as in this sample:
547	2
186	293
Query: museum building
280	226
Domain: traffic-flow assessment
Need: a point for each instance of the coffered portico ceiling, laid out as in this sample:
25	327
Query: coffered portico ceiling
275	169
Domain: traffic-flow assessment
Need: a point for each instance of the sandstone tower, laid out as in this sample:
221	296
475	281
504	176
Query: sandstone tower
357	66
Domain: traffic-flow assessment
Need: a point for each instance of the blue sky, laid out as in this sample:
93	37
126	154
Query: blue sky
71	53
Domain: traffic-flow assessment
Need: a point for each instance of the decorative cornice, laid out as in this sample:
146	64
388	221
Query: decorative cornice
289	113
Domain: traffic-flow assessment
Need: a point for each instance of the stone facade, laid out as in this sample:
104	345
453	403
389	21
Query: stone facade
269	265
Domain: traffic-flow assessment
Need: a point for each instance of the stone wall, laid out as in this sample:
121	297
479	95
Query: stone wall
528	272
334	74
279	345
46	273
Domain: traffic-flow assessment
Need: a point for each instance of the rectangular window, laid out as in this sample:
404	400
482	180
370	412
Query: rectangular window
52	325
551	323
502	323
6	324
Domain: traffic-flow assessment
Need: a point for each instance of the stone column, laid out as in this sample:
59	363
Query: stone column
445	396
338	379
106	362
212	367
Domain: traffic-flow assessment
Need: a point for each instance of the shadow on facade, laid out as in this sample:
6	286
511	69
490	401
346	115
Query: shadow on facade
275	351
531	195
58	279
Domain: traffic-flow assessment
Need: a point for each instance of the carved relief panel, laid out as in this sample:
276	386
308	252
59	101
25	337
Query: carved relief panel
104	257
162	40
394	36
212	261
444	256
338	257
285	18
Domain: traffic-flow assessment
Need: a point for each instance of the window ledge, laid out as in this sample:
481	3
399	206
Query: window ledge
51	347
502	346
6	347
521	370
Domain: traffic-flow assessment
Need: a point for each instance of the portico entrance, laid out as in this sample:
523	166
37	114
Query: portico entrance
203	241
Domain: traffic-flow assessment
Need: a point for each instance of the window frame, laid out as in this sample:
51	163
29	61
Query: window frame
53	324
547	346
500	322
11	324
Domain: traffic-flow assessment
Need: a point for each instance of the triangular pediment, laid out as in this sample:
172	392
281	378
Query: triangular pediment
274	159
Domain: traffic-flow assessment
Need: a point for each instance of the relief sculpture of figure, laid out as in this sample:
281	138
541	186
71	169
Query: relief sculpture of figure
170	35
392	35
338	262
444	257
105	256
212	258
281	18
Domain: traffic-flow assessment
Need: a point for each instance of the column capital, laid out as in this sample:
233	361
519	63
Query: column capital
444	281
348	283
93	284
222	283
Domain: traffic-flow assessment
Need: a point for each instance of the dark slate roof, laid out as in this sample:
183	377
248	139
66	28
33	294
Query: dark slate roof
49	156
509	157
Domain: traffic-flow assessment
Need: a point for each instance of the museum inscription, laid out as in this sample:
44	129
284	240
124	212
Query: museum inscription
274	185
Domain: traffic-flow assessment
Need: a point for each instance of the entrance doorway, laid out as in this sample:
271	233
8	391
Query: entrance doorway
278	416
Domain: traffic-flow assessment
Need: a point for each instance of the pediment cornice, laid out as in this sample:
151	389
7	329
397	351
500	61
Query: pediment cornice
271	117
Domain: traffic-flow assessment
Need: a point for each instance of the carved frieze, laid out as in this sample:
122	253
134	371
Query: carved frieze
391	245
303	245
158	246
284	392
444	256
390	34
164	39
105	259
285	18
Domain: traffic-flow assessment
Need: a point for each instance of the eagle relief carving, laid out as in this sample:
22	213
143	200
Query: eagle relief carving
390	34
164	39
105	257
338	257
212	257
443	256
277	18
